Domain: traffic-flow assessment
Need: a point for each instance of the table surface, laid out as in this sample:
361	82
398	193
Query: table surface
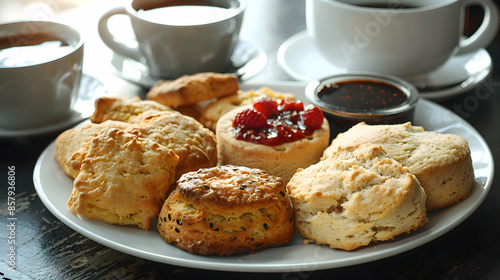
48	249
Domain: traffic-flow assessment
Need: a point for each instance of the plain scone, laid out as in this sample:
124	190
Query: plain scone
282	160
72	145
227	210
441	162
356	196
191	89
123	179
194	144
123	109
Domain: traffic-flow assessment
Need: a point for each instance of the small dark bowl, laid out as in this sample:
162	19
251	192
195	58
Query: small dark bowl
350	98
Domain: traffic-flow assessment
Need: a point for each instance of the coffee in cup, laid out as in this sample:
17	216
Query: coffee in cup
40	73
176	38
405	38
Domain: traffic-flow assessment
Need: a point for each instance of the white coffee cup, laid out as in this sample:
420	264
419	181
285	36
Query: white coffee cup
170	47
38	87
404	42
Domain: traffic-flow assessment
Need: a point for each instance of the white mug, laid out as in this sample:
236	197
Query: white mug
171	48
405	38
38	88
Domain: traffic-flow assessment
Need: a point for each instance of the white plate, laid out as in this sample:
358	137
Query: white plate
247	61
90	89
54	189
300	58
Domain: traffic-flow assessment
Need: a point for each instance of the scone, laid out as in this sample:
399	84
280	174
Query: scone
123	179
227	210
123	109
356	196
213	111
72	145
283	154
194	144
441	162
191	89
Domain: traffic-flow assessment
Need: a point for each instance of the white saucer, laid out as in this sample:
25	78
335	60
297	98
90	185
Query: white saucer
300	58
90	89
247	61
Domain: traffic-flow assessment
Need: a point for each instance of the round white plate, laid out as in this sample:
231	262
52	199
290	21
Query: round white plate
300	58
247	61
90	89
54	188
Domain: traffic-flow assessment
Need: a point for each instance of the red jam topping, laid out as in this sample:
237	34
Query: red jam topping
275	122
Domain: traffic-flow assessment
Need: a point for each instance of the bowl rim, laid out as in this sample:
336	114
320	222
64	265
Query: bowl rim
314	87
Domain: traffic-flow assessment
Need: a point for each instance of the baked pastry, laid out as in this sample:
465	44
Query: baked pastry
284	148
72	145
213	111
356	196
191	89
227	210
123	179
123	109
194	144
441	162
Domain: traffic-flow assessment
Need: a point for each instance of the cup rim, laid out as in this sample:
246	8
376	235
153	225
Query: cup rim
430	7
133	12
76	47
313	88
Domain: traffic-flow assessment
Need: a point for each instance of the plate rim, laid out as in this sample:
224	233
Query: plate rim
204	262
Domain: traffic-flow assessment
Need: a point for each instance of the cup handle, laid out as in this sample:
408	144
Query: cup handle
109	38
486	31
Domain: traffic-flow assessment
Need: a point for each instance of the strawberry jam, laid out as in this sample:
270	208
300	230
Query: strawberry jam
275	122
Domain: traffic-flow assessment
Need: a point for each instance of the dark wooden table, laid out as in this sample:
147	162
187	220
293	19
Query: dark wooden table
48	249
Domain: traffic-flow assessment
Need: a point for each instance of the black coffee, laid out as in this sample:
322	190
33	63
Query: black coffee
387	5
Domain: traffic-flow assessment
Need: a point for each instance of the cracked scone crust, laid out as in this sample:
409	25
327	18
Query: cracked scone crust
227	210
356	196
123	179
441	162
282	160
190	140
123	109
72	145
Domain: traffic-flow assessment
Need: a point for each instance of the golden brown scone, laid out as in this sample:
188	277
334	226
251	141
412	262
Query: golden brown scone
212	113
227	210
123	109
194	144
356	196
191	89
123	179
72	145
282	160
441	162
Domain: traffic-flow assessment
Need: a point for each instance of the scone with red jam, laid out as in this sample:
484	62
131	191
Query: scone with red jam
278	136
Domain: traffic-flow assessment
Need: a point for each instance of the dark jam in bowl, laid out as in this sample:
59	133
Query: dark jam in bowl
363	95
350	98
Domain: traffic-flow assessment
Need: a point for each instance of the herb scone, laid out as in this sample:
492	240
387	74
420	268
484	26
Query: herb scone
441	162
356	196
227	210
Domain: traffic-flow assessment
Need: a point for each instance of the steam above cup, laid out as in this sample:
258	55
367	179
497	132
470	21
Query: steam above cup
404	38
176	38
